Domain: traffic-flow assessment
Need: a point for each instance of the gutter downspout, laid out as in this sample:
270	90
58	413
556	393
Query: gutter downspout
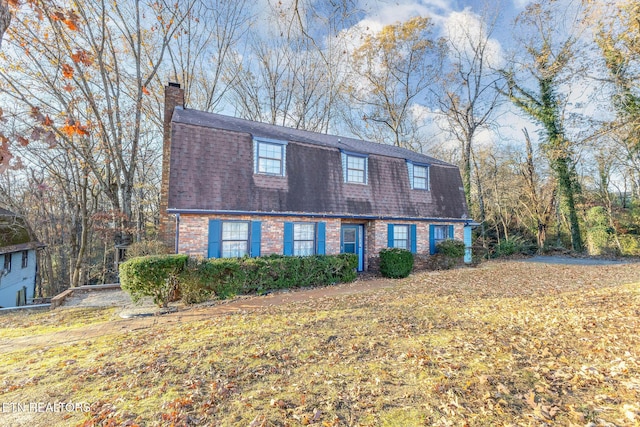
177	232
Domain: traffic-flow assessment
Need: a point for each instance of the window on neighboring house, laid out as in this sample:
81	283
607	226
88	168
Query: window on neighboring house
421	177
270	157
235	239
355	168
7	262
304	239
25	259
401	237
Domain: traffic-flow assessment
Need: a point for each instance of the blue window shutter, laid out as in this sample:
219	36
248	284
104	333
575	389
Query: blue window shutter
432	240
288	238
389	235
321	238
215	229
414	242
256	235
410	169
429	178
344	166
450	232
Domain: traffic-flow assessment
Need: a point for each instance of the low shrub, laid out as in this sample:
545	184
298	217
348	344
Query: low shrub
513	246
395	263
451	248
629	244
155	276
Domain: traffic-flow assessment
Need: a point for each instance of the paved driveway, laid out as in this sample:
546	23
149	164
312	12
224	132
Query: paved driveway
567	260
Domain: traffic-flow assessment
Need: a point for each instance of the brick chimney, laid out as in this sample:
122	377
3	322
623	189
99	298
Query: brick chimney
173	97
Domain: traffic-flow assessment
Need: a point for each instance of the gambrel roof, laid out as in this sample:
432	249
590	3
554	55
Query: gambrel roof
211	169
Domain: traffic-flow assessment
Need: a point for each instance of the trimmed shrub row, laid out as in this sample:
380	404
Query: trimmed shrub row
201	279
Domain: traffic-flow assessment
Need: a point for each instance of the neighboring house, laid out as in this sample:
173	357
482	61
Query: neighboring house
18	267
233	187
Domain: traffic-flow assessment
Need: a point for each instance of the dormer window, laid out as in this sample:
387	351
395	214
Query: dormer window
354	167
418	176
270	156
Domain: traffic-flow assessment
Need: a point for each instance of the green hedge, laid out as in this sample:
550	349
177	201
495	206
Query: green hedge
225	277
451	248
153	276
395	263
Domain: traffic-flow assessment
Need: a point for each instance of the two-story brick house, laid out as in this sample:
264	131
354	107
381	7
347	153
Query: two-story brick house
233	187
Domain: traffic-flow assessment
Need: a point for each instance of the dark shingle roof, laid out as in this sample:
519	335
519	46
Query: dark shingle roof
211	170
264	130
14	234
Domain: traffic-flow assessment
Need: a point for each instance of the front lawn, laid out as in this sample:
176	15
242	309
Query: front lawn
508	343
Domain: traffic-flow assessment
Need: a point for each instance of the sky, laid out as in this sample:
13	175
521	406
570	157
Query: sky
449	15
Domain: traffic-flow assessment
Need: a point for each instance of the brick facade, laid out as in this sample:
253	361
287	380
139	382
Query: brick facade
194	230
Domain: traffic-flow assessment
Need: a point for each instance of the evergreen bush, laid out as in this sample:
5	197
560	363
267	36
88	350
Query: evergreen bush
155	276
395	263
451	248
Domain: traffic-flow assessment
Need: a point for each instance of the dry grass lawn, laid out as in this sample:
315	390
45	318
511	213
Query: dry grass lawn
504	344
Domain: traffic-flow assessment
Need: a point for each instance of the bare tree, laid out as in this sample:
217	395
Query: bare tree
468	95
538	199
199	58
285	76
84	78
391	71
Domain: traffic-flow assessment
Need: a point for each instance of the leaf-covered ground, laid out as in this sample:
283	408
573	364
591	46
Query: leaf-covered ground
508	343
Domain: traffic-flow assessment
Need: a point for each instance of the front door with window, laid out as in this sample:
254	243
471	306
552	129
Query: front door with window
352	242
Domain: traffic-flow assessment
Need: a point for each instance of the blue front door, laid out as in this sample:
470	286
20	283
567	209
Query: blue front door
352	242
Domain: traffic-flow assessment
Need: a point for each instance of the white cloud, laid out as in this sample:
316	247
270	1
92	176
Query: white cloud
521	4
465	30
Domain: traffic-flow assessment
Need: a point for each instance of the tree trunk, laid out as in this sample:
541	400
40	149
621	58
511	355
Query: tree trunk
566	184
5	18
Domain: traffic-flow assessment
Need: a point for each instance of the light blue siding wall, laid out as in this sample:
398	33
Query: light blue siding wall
13	281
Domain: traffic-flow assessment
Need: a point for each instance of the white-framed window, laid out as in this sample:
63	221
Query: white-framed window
418	176
235	239
421	177
25	259
401	237
304	242
270	157
355	167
